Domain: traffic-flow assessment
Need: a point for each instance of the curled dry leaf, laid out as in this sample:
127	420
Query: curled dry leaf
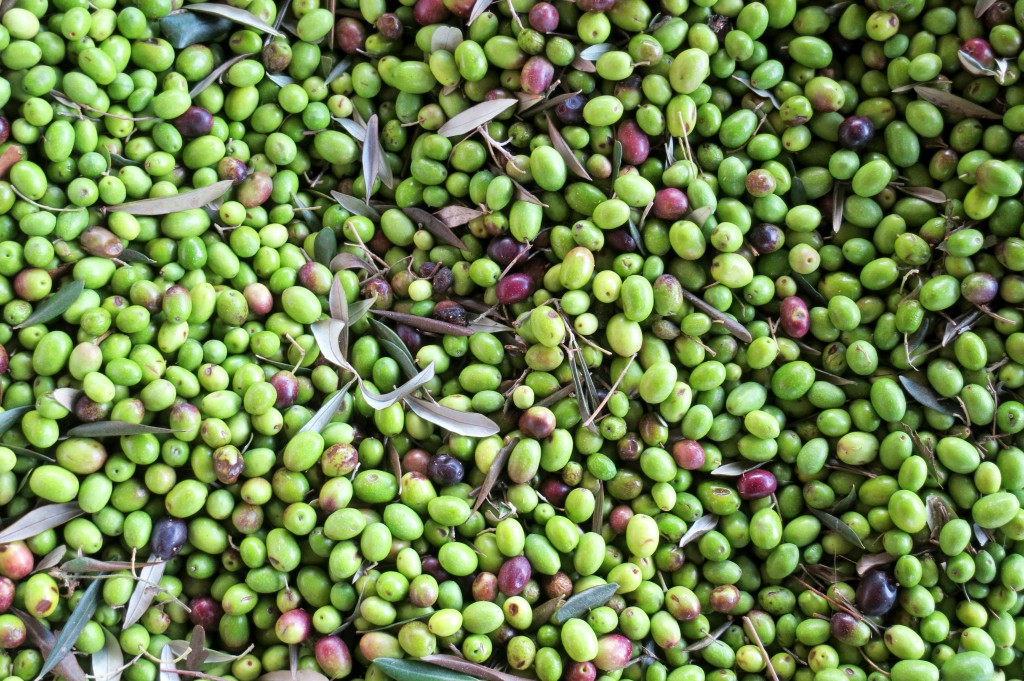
454	216
475	116
327	332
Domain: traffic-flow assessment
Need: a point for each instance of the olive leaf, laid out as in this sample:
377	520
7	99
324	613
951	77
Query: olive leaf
838	206
145	591
208	655
584	65
735	468
445	38
454	216
116	429
542	613
326	411
428	324
51	559
214	75
131	255
341	67
973	66
380	402
410	670
40	520
479	7
336	300
730	323
55	305
352	127
183	28
469	424
357	310
982	6
929	194
616	158
699	528
84	564
594	51
434	225
475	116
80	617
108	662
709	639
355	206
164	205
168	667
395	347
547	103
870	561
66	665
326	333
586	600
954	104
832	378
298	675
924	396
347	261
838	526
371	156
460	664
981	534
235	14
495	470
566	152
280	80
325	246
9	417
487	325
760	92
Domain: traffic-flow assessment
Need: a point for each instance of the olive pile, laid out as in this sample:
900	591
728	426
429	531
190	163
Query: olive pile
441	339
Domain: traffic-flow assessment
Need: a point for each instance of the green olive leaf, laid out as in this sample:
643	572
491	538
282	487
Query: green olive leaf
51	559
327	333
214	75
326	411
475	116
465	423
146	589
594	51
729	322
168	666
235	14
164	205
709	639
325	246
131	255
371	156
55	305
298	675
460	664
586	600
954	104
353	128
65	665
566	152
411	670
496	468
766	94
355	206
926	397
9	417
116	429
359	309
38	520
395	347
380	402
80	617
428	324
182	29
838	526
699	528
435	226
107	664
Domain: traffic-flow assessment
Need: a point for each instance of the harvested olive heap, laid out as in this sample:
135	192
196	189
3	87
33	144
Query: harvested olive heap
582	341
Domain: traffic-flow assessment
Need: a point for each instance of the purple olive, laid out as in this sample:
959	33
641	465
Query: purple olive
794	317
756	484
195	122
876	593
613	652
426	12
349	35
670	204
855	132
537	75
445	469
543	17
167	538
571	110
513	575
205	612
390	26
636	146
765	238
287	387
689	454
514	288
333	656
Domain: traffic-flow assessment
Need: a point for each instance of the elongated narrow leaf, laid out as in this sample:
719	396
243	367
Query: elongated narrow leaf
734	469
585	601
299	675
699	528
838	526
9	417
395	347
453	216
40	520
870	561
594	51
709	639
235	14
209	656
357	310
435	226
371	156
469	424
982	6
326	332
163	205
479	7
107	663
116	429
56	305
336	300
67	665
954	104
838	206
168	668
341	67
760	92
280	79
327	411
408	388
325	246
734	327
496	468
566	152
131	255
214	75
929	194
80	617
475	116
144	593
51	559
445	38
355	206
428	324
347	261
485	325
546	103
461	664
353	128
413	670
926	397
85	565
66	397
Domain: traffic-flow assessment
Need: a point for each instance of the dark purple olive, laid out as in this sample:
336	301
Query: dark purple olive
794	317
621	241
513	575
410	336
287	387
537	422
195	122
416	460
555	491
855	132
514	288
504	250
876	593
445	469
979	287
204	612
5	129
670	204
349	35
390	26
537	75
451	312
998	14
842	625
981	50
636	146
756	484
426	12
571	110
765	238
167	538
619	518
